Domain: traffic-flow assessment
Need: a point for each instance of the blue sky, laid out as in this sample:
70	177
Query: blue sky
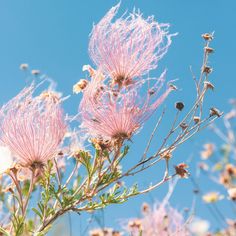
52	36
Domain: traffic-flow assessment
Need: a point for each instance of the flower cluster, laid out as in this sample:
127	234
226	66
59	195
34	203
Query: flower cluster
162	220
129	47
32	127
115	115
112	107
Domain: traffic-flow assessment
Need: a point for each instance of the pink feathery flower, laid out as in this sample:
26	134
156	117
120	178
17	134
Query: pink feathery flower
32	127
129	47
115	115
162	220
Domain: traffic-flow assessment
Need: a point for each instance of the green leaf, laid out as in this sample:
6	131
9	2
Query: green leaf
25	188
37	213
4	232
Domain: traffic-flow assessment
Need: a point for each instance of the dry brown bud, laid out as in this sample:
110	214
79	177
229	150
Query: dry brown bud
196	119
209	85
60	153
151	91
207	69
180	170
9	190
232	193
215	112
173	86
207	36
137	224
116	233
183	125
24	66
166	154
119	184
225	179
230	169
179	106
145	208
15	168
80	86
77	154
209	50
100	144
35	72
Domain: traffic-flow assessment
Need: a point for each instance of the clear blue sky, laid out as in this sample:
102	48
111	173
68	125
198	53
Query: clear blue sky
52	36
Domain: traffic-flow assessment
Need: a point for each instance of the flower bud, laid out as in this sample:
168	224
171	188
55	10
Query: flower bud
208	85
35	72
215	112
207	36
180	170
24	66
207	69
179	106
196	119
209	50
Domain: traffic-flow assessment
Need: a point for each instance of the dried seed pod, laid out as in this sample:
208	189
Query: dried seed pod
215	112
207	36
179	106
180	170
184	125
207	69
232	194
80	86
167	154
209	85
173	86
196	119
145	208
209	50
35	72
24	66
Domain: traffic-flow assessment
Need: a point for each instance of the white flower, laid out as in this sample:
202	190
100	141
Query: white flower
6	159
199	227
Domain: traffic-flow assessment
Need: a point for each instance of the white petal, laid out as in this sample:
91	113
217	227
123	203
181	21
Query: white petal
6	159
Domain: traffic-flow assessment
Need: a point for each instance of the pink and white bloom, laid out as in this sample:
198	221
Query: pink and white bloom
116	115
6	159
32	127
129	46
161	220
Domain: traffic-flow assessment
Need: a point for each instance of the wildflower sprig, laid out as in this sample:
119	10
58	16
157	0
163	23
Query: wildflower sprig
49	162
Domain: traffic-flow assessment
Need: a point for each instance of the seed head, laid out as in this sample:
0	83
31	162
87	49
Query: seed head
207	36
180	170
209	85
215	112
179	106
196	119
24	66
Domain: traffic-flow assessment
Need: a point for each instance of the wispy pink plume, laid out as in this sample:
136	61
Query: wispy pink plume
161	220
32	127
130	46
117	114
